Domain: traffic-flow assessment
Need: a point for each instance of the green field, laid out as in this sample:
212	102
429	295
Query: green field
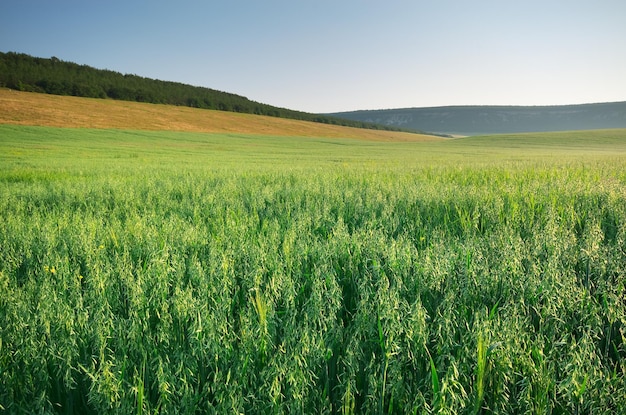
162	272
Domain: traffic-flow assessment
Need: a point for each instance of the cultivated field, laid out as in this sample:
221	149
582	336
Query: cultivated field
179	272
25	108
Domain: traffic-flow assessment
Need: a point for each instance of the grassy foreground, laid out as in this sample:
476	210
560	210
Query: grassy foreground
147	272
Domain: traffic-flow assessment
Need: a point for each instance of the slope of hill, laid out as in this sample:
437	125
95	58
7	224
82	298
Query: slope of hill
474	120
27	108
53	76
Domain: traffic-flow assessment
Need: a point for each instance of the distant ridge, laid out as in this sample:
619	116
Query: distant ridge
476	120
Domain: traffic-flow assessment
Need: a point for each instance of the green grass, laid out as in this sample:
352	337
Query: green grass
189	273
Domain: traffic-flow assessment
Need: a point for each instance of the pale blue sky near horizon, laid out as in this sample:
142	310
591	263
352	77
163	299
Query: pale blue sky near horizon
343	55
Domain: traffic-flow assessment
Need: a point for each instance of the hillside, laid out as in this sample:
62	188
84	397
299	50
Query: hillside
27	108
474	120
53	76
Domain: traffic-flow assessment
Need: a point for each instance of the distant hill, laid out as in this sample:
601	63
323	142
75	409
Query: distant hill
475	120
22	72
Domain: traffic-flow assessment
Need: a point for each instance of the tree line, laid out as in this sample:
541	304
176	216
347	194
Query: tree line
23	72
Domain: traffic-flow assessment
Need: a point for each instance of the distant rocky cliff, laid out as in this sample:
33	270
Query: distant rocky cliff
473	120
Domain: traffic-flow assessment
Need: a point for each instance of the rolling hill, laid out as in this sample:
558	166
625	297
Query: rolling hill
24	73
475	120
54	76
35	109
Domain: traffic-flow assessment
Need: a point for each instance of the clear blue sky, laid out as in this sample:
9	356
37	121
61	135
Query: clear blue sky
340	55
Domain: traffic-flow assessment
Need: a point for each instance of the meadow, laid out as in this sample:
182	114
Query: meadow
170	272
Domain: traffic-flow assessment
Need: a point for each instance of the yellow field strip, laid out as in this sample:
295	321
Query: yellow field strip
25	108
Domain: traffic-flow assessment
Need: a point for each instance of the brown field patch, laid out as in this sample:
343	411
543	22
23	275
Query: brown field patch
26	108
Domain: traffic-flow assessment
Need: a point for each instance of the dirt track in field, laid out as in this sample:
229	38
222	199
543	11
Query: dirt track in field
26	108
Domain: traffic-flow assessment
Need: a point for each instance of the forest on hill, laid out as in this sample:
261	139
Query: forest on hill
23	72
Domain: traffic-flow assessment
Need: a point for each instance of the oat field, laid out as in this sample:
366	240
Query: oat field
162	272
